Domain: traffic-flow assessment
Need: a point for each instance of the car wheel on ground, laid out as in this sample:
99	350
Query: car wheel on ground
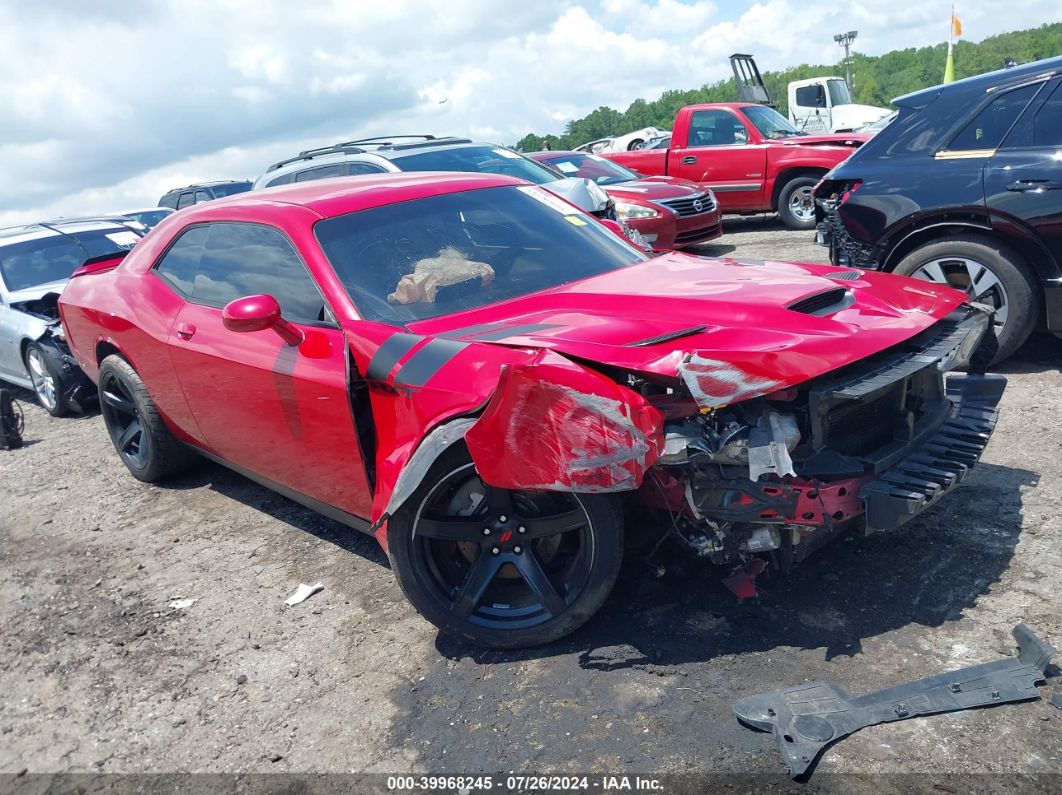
46	373
503	568
988	271
140	436
796	205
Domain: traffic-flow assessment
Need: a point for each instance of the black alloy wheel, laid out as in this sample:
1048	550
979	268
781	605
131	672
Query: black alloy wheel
122	418
505	568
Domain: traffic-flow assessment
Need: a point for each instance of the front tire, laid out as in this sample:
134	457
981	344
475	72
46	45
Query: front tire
637	143
796	204
46	373
504	569
144	443
989	272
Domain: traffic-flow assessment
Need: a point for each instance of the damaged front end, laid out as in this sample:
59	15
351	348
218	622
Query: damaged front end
40	323
756	469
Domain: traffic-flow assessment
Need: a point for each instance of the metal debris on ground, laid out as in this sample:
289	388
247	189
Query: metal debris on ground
806	718
304	592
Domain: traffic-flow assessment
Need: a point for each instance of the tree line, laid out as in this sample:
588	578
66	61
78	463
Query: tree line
876	81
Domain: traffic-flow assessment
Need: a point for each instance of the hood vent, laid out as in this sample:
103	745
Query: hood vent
844	276
825	303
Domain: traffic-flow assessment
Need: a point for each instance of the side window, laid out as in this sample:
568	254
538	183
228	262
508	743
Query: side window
811	97
179	264
988	128
1047	125
363	168
201	196
716	128
245	259
321	172
185	200
282	180
169	200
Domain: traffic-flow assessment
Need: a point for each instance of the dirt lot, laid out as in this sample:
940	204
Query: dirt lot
99	673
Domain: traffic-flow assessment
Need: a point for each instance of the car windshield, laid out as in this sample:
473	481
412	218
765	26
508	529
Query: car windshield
230	189
434	256
478	160
770	122
48	257
600	170
148	217
839	94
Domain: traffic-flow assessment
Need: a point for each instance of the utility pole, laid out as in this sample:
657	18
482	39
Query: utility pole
845	40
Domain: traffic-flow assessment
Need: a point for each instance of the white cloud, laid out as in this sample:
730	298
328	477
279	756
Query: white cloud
104	107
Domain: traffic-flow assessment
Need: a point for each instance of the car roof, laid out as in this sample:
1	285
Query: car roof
210	185
978	84
339	195
43	229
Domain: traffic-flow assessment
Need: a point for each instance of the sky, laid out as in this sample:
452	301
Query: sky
107	104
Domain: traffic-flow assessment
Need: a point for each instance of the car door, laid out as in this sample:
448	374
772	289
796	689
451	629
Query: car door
278	411
9	337
719	154
1023	178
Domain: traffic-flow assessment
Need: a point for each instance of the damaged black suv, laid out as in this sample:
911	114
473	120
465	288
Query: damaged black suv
36	262
963	188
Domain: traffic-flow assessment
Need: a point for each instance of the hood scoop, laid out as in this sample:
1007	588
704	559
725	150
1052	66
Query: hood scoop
825	303
844	276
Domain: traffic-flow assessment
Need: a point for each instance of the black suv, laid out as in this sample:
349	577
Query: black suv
179	198
963	188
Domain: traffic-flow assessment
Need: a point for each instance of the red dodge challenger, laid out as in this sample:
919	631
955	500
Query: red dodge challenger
488	379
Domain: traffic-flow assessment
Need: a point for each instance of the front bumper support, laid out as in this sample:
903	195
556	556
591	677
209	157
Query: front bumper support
807	718
920	480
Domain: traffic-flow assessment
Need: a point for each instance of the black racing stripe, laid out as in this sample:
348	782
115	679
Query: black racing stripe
512	331
387	355
471	331
427	361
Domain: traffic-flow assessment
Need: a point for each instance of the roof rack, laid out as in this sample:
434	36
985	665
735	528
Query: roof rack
444	141
387	139
310	154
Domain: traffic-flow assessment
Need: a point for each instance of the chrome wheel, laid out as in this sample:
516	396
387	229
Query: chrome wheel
974	279
43	381
802	204
122	418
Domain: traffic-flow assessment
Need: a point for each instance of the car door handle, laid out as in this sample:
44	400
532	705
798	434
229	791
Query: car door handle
185	331
689	160
1034	185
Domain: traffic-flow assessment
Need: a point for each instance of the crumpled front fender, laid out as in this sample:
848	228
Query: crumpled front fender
554	425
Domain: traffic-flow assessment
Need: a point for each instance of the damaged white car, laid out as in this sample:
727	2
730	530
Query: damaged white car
36	262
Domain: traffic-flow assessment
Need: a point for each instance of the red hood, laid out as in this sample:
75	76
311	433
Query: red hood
654	188
836	139
612	319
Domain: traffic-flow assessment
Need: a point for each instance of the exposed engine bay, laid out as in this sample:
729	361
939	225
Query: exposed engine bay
869	446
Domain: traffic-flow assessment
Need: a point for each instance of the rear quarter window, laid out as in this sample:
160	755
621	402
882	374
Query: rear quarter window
989	127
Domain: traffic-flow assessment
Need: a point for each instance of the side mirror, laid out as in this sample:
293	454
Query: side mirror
258	313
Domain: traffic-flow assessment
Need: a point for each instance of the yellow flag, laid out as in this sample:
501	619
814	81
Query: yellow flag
956	26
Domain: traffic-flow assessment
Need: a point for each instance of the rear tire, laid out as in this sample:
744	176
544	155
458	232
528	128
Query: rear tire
460	556
987	270
637	143
144	443
796	205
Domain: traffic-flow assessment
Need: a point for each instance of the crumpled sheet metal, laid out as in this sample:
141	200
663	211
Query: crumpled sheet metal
555	426
715	383
807	718
434	445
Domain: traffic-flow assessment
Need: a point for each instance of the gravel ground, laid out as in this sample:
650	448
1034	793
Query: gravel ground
99	673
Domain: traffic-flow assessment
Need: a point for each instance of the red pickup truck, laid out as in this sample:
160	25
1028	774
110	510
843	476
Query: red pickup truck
749	155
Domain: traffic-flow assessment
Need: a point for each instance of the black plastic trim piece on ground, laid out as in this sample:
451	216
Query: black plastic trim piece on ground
939	465
807	718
